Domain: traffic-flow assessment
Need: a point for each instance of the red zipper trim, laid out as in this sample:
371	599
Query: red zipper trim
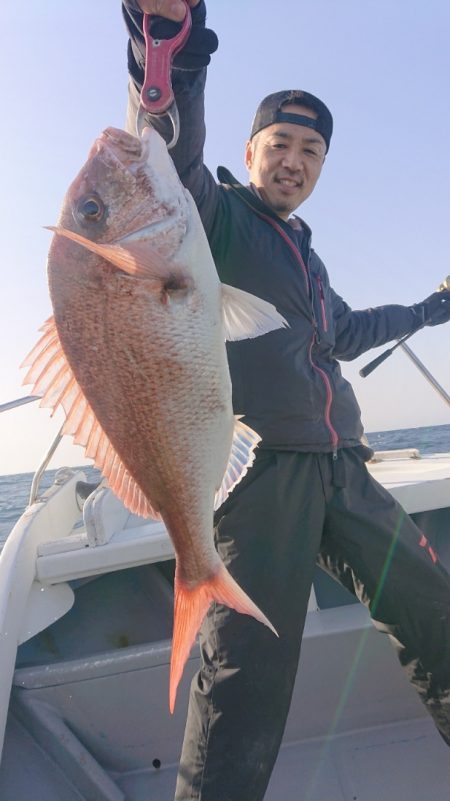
322	304
289	242
329	392
333	433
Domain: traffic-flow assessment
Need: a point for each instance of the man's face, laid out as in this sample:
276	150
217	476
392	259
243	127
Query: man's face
284	162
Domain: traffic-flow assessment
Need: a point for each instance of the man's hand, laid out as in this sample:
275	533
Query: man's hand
435	310
170	9
201	43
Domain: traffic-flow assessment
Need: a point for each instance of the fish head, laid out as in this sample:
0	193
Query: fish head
128	191
134	220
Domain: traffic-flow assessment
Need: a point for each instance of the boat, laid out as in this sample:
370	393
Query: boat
86	605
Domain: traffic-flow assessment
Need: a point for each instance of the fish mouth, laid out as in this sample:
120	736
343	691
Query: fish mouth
149	232
144	234
125	147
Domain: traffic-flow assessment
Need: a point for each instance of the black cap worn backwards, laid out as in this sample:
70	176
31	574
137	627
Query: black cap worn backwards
270	111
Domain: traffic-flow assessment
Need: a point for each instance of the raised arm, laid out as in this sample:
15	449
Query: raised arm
188	81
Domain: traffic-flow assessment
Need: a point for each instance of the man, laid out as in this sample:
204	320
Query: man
308	495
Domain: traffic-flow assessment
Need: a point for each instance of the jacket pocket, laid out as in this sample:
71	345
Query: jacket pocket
323	309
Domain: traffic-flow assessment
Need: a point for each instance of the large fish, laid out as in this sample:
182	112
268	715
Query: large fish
135	354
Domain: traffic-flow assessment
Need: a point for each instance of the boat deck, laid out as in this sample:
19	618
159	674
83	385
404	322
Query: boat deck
401	762
88	718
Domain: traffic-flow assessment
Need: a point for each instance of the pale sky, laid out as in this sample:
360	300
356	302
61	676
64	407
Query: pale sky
380	212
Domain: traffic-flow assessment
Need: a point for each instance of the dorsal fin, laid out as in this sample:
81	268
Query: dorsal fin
241	458
53	379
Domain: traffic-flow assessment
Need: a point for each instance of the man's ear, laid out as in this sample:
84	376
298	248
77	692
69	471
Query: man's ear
249	147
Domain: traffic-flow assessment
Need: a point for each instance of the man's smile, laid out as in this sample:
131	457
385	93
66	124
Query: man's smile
288	183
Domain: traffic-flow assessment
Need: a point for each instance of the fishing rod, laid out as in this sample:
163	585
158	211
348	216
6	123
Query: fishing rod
401	343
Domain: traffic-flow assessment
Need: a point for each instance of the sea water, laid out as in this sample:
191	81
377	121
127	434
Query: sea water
15	489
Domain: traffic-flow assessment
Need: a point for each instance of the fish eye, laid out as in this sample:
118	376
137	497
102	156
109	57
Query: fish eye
90	209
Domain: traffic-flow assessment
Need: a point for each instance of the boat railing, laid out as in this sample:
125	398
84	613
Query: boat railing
43	467
5	407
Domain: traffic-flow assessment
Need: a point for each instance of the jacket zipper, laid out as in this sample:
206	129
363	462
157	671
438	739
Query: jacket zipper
334	436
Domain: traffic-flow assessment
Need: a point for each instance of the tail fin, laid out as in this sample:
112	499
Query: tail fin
191	606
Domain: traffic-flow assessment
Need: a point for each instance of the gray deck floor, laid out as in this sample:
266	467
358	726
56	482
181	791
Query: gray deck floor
402	762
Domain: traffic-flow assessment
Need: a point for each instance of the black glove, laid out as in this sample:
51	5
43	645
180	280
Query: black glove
433	310
202	41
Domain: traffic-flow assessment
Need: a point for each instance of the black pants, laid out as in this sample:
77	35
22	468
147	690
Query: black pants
291	510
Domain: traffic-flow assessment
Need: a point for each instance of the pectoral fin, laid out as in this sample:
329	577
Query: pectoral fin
136	258
246	316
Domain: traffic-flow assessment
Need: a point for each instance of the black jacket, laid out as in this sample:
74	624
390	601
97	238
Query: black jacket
287	384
